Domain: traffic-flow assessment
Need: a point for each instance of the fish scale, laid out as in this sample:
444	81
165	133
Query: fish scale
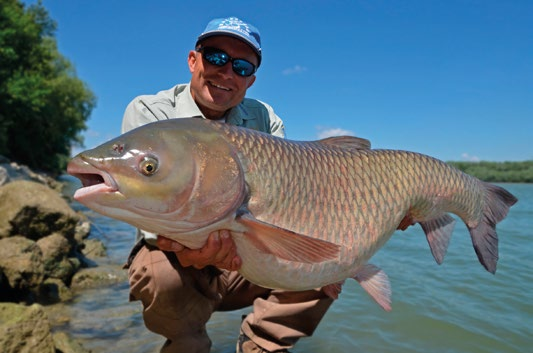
373	199
303	214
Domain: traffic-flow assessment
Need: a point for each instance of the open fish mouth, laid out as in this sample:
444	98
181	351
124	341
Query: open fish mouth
93	180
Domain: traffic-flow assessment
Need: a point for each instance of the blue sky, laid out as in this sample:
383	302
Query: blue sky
451	79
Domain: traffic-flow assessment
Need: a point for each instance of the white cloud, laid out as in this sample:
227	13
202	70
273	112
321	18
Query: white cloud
92	133
470	158
296	69
329	132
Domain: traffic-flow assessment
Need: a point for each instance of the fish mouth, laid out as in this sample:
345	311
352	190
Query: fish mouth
93	180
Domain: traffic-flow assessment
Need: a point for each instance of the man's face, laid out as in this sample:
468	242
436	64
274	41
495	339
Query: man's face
215	89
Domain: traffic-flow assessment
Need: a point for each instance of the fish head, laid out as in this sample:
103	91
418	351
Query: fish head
163	177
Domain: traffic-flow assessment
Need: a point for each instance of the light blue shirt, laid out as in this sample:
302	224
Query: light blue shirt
177	102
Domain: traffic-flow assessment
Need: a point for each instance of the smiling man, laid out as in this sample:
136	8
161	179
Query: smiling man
179	287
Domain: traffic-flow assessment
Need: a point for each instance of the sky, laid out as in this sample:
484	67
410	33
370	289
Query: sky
448	78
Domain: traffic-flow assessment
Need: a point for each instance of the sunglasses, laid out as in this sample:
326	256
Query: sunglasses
218	57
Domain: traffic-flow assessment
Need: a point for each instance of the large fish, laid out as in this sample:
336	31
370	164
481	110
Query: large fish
303	214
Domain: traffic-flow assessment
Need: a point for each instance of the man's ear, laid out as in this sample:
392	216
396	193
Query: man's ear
191	60
251	82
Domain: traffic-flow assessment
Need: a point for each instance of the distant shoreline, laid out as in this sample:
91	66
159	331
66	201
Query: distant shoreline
498	172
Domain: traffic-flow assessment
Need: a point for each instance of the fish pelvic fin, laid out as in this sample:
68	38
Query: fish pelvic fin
438	233
484	236
376	283
333	290
286	244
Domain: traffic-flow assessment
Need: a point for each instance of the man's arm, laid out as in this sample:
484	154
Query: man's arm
137	114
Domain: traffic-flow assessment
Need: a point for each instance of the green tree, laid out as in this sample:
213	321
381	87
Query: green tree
43	104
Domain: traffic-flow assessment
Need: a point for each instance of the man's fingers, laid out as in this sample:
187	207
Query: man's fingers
166	244
202	257
219	250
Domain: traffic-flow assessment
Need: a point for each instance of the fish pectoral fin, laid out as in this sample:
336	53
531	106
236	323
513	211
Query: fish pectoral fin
438	233
286	244
376	283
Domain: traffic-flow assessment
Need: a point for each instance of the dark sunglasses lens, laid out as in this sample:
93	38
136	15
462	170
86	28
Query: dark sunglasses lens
243	67
218	58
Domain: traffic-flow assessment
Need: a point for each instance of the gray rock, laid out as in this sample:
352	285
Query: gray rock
12	171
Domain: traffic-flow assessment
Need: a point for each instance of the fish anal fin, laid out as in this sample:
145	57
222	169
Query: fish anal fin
286	244
438	233
376	283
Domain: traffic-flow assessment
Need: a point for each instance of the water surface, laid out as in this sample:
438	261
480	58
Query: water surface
456	307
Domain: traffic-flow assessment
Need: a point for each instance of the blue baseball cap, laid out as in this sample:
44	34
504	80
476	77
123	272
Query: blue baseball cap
234	27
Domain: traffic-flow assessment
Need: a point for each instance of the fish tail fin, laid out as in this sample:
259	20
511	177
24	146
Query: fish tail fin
438	233
376	283
484	237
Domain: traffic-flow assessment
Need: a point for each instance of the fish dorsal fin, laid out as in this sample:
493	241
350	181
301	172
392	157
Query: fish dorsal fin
347	142
286	244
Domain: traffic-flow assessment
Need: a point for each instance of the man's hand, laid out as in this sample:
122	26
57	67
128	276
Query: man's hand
219	251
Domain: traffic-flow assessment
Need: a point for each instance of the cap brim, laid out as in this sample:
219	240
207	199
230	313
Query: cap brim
234	35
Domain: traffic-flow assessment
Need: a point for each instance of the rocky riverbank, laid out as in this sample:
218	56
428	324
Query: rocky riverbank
46	257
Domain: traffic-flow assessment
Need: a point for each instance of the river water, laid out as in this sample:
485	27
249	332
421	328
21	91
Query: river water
456	307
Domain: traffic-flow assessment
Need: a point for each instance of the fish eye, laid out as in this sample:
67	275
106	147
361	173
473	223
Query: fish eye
148	166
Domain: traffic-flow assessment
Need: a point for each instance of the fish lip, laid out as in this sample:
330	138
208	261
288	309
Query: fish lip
93	180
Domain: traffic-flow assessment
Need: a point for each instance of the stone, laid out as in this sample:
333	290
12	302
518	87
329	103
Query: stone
34	210
95	277
54	290
24	329
4	176
21	262
11	171
82	230
93	249
59	256
66	344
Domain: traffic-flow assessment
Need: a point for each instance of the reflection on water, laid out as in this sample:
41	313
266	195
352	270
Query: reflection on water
454	308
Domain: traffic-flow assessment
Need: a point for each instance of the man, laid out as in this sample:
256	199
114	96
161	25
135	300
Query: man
180	288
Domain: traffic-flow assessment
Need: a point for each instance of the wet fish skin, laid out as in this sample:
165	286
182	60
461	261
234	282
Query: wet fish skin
302	214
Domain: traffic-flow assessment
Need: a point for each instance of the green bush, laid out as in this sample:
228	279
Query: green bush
43	105
504	172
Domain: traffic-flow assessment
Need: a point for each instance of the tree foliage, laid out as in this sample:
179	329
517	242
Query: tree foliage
43	105
506	172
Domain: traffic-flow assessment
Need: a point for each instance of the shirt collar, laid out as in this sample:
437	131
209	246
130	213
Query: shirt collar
186	105
188	108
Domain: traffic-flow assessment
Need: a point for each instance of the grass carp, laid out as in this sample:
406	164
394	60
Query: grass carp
303	214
